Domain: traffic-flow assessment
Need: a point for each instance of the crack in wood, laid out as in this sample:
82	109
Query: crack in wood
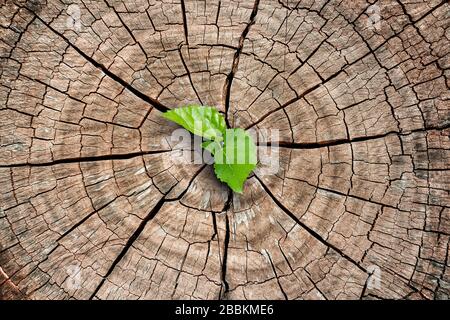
111	157
406	180
229	80
153	102
308	229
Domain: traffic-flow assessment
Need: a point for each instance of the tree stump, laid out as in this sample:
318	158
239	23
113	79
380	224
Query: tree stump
94	204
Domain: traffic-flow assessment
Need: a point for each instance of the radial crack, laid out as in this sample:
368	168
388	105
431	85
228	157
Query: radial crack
154	102
225	287
130	242
185	25
315	145
234	68
308	229
118	156
370	52
139	230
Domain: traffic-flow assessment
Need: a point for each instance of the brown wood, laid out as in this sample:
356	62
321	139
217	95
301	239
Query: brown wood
94	205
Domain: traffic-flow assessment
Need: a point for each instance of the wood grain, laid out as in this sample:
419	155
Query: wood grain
95	204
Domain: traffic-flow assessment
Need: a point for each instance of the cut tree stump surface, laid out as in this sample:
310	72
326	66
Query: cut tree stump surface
95	205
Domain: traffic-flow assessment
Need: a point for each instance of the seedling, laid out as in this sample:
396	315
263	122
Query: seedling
233	149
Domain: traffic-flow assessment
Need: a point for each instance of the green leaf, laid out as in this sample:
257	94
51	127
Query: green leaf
236	159
233	149
211	146
206	122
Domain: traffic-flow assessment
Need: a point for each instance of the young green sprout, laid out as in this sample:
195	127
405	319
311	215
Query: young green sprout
233	149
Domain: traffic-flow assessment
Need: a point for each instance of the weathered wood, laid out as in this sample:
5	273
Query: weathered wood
96	204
